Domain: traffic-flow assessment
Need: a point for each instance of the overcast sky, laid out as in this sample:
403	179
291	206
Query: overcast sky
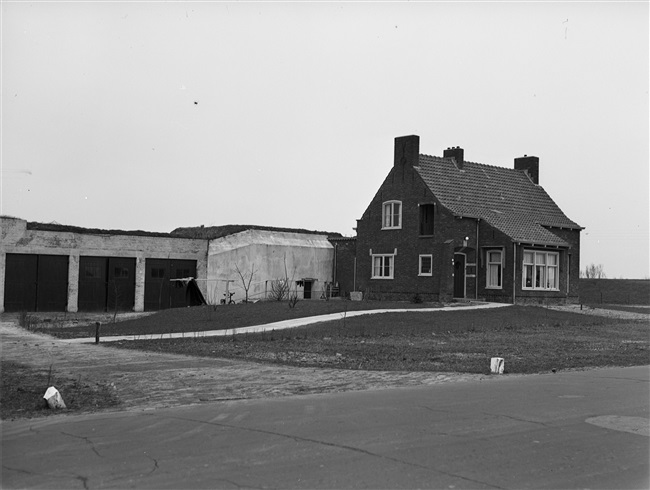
159	115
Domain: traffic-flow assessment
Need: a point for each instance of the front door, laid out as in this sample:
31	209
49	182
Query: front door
459	275
307	290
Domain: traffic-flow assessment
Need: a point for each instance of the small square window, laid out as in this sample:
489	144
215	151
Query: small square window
158	272
426	265
121	272
92	271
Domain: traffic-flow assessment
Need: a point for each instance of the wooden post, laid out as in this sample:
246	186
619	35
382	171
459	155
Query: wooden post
97	324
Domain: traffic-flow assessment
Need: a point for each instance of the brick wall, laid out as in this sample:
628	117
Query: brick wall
404	184
345	264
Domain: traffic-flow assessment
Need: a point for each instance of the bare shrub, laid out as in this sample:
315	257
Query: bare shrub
593	271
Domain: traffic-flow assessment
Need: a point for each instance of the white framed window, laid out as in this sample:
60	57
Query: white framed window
426	265
391	215
540	270
383	266
494	275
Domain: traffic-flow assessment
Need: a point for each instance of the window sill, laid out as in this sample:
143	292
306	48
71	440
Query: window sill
541	289
381	278
425	275
494	287
391	228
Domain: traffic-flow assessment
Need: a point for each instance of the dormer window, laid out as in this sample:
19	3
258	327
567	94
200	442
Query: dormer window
391	215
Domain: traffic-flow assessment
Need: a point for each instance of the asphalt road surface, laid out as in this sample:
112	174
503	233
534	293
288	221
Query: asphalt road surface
580	429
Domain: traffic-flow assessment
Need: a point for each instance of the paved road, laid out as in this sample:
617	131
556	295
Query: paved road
581	429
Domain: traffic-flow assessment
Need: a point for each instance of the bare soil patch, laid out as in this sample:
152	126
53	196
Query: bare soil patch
361	353
131	379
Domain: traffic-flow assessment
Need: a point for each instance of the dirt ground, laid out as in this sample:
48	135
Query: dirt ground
145	380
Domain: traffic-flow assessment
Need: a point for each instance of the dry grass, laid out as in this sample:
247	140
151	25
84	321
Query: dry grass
531	339
22	388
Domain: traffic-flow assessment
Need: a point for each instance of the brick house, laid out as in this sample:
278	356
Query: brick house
443	228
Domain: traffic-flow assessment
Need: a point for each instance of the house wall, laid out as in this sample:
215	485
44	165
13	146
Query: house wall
15	238
404	184
266	253
569	272
490	238
512	289
345	263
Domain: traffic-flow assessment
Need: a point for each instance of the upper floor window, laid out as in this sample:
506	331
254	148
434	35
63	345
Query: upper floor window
383	266
494	269
426	265
540	270
426	219
391	215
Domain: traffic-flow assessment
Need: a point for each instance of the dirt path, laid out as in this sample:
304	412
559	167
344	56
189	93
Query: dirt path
145	380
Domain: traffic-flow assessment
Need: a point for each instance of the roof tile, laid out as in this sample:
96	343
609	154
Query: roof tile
505	198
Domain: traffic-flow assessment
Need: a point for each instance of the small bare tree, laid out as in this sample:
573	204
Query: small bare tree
117	296
593	271
246	279
281	288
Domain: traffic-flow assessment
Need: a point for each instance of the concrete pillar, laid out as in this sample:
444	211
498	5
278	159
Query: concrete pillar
140	274
73	283
3	268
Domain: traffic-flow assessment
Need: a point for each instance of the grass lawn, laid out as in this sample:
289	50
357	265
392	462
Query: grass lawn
202	318
530	339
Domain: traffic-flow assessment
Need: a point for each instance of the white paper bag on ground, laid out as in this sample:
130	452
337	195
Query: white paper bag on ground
496	365
53	397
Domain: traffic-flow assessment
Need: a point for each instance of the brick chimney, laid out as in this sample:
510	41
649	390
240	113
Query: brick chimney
530	165
457	153
407	150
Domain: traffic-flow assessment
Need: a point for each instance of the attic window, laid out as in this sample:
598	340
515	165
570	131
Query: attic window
391	215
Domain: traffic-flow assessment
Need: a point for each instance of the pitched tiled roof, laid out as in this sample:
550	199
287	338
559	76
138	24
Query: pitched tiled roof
505	198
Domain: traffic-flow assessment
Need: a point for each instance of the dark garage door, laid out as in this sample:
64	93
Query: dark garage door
36	282
160	292
20	282
106	282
